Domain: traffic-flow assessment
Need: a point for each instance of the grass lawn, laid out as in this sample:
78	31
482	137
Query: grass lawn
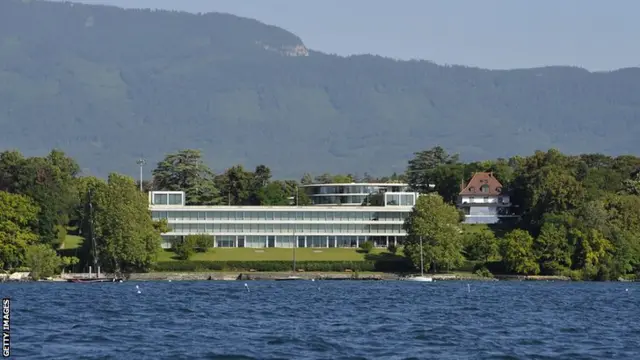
475	228
73	242
274	254
498	229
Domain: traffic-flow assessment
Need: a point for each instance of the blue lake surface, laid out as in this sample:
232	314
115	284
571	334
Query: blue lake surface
325	320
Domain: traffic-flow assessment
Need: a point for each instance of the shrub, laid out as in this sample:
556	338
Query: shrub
367	246
186	248
574	275
392	249
42	260
201	242
274	266
484	272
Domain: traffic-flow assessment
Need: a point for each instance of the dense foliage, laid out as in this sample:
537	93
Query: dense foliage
578	215
109	85
43	197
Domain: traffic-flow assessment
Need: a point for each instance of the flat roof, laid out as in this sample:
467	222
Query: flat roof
356	184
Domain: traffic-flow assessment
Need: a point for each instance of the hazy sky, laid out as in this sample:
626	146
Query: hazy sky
497	34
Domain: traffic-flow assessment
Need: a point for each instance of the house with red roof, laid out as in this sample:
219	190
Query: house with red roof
483	200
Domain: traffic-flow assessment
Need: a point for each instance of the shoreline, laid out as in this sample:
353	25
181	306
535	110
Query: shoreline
274	276
250	276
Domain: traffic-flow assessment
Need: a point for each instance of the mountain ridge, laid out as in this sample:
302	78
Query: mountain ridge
109	86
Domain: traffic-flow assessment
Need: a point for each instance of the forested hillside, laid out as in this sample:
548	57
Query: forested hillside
108	85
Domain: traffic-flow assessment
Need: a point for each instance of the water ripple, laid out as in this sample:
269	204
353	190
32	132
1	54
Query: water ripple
333	320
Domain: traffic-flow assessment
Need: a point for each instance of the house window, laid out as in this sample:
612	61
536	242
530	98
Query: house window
472	199
484	188
486	199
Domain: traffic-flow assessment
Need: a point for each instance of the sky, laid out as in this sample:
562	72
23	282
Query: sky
495	34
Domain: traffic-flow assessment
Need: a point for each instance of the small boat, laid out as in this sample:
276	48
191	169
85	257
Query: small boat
421	277
289	278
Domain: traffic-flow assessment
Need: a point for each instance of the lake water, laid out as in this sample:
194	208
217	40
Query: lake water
325	320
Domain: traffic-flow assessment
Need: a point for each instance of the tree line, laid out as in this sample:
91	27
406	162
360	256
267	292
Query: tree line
579	215
43	200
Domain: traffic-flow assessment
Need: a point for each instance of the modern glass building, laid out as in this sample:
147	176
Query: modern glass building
352	194
315	226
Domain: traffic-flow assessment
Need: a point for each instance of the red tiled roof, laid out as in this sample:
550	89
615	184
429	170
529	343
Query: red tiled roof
482	181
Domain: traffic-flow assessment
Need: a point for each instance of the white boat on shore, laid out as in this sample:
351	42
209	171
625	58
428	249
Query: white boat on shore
421	277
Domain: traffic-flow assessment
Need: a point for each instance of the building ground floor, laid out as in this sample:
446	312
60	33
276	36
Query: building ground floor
289	241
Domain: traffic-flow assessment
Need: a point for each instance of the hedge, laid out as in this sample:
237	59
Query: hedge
337	266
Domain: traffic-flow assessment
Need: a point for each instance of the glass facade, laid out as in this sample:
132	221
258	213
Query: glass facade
167	198
223	214
351	194
285	227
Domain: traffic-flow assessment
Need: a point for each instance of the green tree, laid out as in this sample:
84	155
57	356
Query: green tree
517	253
185	171
550	189
69	261
125	234
275	194
328	178
306	179
438	225
447	179
592	251
297	194
49	181
552	249
43	261
236	185
481	245
17	215
420	171
258	182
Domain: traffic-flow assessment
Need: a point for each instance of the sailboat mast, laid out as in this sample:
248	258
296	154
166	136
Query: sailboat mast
421	258
91	231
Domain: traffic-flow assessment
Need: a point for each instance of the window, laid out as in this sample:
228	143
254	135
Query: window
484	188
486	199
160	199
175	199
